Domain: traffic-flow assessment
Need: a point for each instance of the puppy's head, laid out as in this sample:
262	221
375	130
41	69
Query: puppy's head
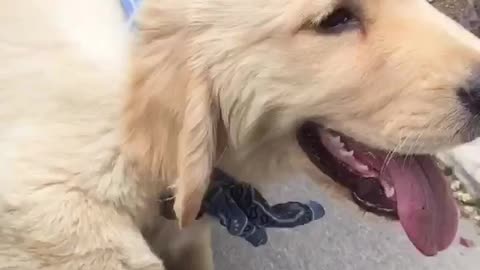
365	90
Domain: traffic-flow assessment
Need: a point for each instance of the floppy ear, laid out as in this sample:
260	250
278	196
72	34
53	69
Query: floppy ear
171	116
196	152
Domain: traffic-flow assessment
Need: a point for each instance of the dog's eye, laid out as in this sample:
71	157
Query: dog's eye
338	18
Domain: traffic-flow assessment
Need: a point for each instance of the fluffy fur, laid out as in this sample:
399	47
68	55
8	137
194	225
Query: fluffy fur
92	132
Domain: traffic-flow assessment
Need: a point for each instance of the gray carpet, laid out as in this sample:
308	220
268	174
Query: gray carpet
343	240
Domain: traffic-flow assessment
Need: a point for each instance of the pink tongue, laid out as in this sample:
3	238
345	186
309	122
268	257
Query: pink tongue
425	205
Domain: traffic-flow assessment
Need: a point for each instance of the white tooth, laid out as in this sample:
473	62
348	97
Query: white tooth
388	189
334	141
389	192
346	153
362	168
340	143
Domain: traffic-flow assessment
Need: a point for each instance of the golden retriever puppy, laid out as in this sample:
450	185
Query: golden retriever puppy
360	90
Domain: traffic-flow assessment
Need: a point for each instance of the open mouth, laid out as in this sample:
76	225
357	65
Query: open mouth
411	189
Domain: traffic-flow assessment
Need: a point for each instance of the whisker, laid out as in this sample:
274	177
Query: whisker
166	199
391	154
448	118
412	146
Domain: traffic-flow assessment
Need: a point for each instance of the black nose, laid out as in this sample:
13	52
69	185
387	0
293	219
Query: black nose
470	98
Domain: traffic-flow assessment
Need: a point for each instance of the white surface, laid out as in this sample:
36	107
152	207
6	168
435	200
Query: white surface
465	161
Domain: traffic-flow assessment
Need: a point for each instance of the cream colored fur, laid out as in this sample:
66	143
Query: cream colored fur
92	132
